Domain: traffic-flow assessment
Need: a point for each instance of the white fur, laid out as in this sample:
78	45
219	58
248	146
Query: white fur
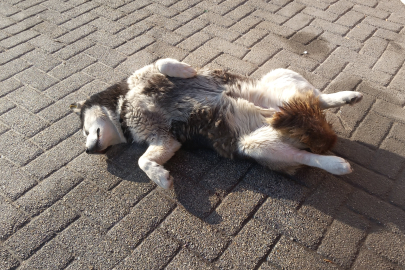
174	68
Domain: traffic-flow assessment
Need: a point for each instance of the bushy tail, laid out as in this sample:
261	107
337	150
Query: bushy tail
301	118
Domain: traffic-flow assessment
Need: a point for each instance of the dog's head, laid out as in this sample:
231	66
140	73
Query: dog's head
302	118
98	126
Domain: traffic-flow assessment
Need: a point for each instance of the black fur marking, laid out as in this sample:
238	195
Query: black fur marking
107	98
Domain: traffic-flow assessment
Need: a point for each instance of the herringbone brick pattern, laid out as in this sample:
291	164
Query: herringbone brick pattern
62	209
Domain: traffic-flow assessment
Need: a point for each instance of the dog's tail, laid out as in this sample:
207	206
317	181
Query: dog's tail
301	118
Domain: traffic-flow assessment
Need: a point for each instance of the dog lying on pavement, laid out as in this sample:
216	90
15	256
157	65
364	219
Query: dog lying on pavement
273	120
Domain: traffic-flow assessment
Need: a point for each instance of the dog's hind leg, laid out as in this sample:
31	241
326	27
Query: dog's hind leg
266	147
340	98
174	68
158	153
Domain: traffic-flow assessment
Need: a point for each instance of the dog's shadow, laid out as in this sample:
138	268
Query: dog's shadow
217	190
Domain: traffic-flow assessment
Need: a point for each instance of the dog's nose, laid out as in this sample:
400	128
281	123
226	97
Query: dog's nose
87	150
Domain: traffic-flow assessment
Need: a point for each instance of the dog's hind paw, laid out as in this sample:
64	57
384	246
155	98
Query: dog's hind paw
354	98
174	68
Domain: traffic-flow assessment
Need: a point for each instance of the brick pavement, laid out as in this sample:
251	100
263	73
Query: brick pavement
62	209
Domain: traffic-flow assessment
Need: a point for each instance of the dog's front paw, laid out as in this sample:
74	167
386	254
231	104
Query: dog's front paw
165	181
336	165
354	97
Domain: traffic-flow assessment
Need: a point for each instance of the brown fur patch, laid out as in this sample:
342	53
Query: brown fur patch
302	118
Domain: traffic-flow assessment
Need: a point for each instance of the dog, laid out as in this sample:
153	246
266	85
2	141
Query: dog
277	120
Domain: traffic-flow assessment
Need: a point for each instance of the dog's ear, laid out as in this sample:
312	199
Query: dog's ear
77	106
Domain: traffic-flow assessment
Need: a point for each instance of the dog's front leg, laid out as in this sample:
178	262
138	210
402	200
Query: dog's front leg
158	153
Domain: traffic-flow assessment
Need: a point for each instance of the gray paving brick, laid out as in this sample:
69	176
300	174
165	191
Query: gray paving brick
288	221
367	74
340	7
136	44
330	27
391	216
6	105
108	12
235	64
80	20
23	122
388	245
186	260
290	255
244	25
135	30
36	78
106	55
58	132
48	191
153	253
367	259
195	41
342	239
41	59
12	219
72	66
162	35
142	220
260	53
201	56
101	72
53	16
74	48
299	21
7	261
271	17
9	69
104	38
194	233
18	38
390	62
98	169
15	52
276	29
291	9
361	32
46	43
23	25
389	159
55	158
250	245
383	23
60	108
373	129
76	34
135	62
13	182
224	33
68	85
388	94
374	46
275	186
323	204
50	29
29	98
80	236
97	205
38	231
235	208
134	17
52	255
8	9
81	8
